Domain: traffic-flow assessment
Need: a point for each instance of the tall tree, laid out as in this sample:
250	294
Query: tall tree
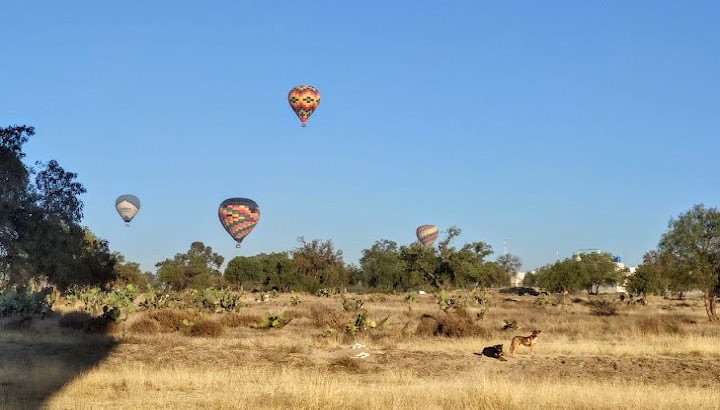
562	276
318	265
598	270
40	232
383	268
693	241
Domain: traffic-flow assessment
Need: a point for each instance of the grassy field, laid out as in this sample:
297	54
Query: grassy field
661	356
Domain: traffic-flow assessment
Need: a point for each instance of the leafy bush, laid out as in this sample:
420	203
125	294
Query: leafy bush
352	304
21	302
276	321
363	322
544	300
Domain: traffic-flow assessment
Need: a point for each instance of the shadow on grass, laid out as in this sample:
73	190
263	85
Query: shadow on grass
39	357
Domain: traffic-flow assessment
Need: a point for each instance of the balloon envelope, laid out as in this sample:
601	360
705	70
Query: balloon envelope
127	206
304	99
239	216
427	234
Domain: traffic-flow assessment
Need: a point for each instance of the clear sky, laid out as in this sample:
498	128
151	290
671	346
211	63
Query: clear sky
556	125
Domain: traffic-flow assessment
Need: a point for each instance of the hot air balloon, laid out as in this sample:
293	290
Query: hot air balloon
239	216
304	99
427	234
127	206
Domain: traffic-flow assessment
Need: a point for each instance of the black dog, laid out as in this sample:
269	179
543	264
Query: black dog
495	352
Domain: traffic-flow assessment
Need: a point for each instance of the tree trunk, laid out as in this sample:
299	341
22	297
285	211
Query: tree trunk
713	304
710	300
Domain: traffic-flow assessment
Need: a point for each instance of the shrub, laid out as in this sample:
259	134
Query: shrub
74	320
544	300
83	321
241	320
602	307
276	321
324	317
20	323
458	323
206	328
171	320
145	326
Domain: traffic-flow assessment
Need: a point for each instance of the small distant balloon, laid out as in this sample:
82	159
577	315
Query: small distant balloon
239	216
127	206
304	99
427	234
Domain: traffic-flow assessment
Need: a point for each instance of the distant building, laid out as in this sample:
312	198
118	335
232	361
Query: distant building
516	279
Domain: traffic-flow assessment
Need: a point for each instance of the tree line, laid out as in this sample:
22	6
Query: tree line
42	241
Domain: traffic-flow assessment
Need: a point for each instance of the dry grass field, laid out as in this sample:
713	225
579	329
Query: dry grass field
661	356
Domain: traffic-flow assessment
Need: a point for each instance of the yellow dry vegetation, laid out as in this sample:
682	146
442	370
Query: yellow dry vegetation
662	356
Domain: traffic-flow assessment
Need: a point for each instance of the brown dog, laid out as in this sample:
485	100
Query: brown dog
524	340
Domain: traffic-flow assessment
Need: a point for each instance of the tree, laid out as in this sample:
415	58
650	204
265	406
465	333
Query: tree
598	270
562	276
510	263
693	242
198	268
127	273
420	264
40	232
318	265
647	279
246	272
383	268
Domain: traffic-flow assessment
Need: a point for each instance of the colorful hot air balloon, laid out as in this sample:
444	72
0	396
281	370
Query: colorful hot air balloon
427	234
127	206
304	99
239	216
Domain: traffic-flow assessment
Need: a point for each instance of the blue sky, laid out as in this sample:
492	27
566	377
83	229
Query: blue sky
554	125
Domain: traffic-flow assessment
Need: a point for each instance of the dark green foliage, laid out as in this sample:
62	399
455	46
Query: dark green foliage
646	280
18	301
316	265
197	268
276	321
692	249
598	269
40	233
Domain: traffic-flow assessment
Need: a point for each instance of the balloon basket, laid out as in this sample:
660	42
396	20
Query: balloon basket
238	246
304	125
127	225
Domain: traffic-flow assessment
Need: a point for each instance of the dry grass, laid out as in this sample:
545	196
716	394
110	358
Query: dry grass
206	328
643	357
242	319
